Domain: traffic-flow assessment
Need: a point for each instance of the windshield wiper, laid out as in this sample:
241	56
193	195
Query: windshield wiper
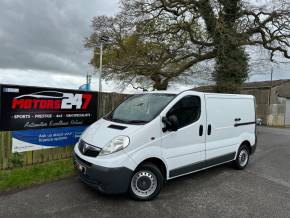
136	121
126	121
117	120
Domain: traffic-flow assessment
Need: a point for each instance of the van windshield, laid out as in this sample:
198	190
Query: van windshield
140	109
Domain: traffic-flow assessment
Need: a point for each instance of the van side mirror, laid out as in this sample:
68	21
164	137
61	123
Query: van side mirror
259	121
171	123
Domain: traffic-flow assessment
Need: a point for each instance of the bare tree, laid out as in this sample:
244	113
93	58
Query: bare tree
140	55
219	29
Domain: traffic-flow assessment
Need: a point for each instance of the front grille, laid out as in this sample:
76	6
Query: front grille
88	150
82	161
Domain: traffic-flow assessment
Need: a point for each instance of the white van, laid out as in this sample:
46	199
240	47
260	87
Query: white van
157	136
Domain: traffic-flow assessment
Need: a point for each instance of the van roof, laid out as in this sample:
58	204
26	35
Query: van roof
192	91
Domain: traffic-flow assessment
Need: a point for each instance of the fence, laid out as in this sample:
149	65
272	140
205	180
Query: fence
108	101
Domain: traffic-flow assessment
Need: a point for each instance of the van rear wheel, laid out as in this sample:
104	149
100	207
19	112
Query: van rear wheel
242	158
146	182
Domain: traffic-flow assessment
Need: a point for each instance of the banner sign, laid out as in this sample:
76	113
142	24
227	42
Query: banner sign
24	108
29	140
41	118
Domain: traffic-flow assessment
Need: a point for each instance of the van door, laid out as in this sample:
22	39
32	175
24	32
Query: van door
185	148
223	137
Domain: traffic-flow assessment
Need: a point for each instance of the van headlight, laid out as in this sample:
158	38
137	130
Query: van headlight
116	144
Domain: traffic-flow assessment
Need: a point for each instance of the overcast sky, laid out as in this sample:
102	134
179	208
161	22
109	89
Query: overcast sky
41	42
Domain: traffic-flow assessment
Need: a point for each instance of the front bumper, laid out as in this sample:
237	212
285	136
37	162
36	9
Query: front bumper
104	179
253	149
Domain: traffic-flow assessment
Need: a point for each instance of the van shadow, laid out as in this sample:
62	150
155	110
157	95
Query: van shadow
177	185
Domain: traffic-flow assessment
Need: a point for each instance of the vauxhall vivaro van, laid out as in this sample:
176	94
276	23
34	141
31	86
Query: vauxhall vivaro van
158	136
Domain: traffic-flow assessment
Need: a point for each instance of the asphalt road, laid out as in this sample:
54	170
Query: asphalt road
261	190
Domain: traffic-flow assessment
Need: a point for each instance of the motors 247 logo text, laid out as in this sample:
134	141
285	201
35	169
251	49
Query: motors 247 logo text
52	100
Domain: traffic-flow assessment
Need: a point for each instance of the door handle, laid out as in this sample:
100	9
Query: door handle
209	129
238	119
200	130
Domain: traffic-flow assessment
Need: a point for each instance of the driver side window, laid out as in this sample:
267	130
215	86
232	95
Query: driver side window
187	110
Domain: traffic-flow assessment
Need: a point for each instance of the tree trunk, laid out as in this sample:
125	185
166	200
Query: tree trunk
159	84
231	68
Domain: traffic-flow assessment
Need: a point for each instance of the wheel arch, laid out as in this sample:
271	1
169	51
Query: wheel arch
248	144
157	162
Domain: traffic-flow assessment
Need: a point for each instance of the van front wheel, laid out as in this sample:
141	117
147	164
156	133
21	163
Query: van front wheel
146	182
242	158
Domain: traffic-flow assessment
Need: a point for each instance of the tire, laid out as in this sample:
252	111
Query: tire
146	182
242	158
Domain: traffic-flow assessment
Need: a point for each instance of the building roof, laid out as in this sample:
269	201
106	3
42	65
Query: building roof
262	84
251	85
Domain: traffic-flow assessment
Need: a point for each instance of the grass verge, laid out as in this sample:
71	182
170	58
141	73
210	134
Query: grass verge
35	174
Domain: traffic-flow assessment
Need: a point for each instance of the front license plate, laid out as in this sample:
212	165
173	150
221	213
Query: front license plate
80	167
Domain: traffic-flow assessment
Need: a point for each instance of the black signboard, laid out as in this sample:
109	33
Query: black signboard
25	107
